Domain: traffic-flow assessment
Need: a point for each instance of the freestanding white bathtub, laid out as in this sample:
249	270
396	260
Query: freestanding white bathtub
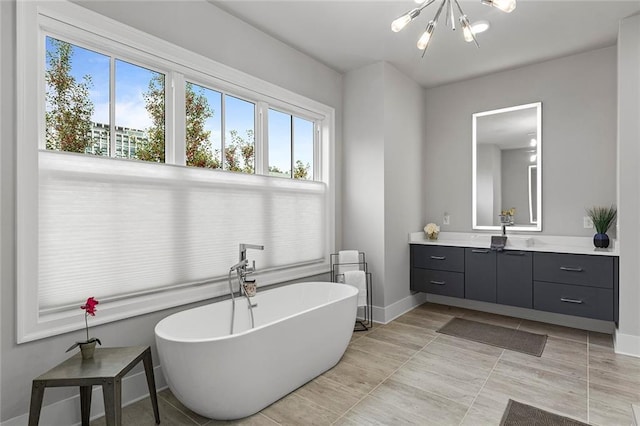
301	330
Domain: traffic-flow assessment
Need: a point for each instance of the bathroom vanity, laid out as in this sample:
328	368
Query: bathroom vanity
555	274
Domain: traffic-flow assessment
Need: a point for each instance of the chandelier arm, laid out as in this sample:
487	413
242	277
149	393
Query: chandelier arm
462	14
435	20
450	16
459	8
426	4
439	11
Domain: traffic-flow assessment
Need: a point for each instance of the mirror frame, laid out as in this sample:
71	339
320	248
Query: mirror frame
537	227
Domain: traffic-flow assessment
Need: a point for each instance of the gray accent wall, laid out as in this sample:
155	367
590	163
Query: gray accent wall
195	25
578	95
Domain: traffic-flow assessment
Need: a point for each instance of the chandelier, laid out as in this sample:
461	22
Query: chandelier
468	31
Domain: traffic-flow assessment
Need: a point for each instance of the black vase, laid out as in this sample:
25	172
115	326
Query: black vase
601	240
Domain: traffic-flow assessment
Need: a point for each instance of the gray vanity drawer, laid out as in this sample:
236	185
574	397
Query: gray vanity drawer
590	302
431	281
441	258
580	269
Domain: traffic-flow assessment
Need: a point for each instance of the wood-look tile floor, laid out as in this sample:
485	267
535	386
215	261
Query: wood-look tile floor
406	373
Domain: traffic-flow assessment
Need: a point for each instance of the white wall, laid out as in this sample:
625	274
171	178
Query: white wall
403	137
578	95
197	26
628	335
363	169
382	173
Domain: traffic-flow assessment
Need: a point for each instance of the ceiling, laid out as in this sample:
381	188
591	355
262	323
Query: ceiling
346	35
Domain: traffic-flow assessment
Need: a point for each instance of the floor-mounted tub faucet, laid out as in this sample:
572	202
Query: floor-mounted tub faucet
242	270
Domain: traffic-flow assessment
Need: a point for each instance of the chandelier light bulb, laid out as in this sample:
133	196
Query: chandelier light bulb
504	5
404	20
400	23
423	42
467	33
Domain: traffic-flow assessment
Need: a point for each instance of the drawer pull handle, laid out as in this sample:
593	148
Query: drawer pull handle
479	251
570	269
438	257
514	253
440	283
564	299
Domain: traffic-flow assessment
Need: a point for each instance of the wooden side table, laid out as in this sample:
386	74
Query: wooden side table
106	369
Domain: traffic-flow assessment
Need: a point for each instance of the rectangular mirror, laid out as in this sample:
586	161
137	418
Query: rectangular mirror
507	167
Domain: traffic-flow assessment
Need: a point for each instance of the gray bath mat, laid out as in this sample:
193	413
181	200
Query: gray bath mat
502	337
519	414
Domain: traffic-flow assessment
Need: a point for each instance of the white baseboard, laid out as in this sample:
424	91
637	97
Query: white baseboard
627	344
387	314
67	411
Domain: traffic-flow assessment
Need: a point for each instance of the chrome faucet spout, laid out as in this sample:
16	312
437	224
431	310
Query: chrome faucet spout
243	249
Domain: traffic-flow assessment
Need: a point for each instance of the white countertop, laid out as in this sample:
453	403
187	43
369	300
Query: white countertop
544	243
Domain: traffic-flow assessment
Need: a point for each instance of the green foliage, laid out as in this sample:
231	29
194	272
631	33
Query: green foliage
239	152
602	217
69	108
199	150
153	148
301	171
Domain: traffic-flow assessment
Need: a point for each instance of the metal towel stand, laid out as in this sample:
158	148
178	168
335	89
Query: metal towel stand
364	322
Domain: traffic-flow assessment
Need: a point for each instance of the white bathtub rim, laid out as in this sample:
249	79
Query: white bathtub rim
176	339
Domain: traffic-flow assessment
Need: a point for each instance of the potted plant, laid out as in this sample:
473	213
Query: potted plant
602	218
88	346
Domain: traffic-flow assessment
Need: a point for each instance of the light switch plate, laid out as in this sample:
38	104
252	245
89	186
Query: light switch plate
587	222
445	219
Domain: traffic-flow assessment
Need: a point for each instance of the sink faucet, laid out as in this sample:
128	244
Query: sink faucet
505	220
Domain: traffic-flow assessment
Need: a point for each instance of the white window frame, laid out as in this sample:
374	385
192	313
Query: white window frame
73	22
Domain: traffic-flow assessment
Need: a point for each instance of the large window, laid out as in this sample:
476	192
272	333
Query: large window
164	229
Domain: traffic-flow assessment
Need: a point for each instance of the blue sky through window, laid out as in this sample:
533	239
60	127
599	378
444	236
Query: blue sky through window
280	141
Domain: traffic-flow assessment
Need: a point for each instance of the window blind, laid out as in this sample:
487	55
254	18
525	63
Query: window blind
111	228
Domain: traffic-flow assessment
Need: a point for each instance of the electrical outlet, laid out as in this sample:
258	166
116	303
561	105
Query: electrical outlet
587	222
445	219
